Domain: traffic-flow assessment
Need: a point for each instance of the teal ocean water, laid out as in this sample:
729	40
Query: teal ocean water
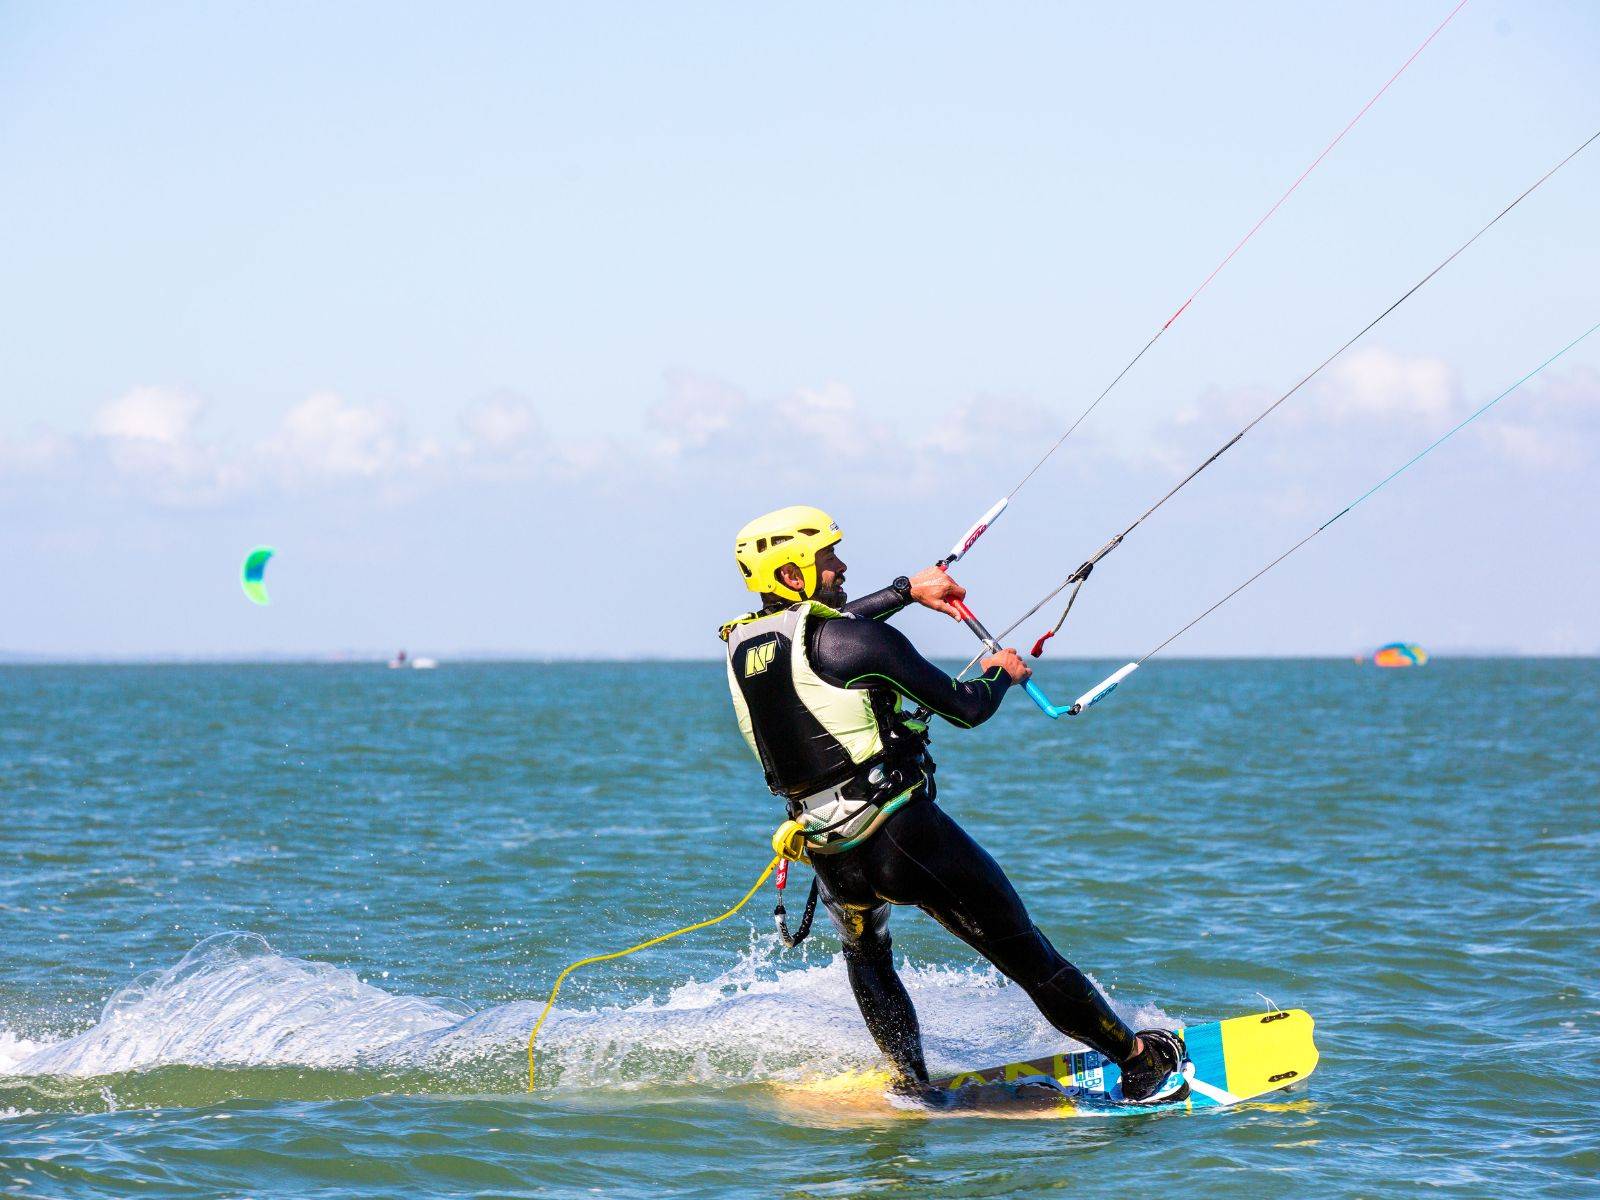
282	931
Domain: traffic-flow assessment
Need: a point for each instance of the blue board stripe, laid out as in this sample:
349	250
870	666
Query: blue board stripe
1204	1043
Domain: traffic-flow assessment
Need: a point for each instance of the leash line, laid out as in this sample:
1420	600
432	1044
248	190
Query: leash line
655	941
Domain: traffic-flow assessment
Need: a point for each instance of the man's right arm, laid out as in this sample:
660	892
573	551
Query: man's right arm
862	654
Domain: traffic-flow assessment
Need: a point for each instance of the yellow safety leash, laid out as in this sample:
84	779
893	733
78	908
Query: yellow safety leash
655	941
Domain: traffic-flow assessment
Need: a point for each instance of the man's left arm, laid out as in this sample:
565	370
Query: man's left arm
930	587
863	654
881	604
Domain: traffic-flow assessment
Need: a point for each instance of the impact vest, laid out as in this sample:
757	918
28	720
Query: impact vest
809	734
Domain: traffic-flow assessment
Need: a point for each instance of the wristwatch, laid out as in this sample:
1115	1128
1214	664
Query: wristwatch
901	587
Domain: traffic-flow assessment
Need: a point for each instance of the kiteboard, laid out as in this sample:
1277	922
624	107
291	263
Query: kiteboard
1229	1062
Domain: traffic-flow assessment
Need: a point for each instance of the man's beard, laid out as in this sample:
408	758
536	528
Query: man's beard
833	596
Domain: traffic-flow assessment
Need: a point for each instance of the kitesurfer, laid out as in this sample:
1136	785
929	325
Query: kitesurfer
818	684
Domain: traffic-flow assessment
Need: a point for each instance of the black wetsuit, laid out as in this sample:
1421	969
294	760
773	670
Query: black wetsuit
922	857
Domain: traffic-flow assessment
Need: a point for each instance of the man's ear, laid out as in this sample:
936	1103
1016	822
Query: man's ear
790	576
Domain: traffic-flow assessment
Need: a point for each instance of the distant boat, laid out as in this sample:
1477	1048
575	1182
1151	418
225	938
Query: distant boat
400	662
1400	654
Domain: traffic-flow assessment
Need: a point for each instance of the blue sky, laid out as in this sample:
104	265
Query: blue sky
499	320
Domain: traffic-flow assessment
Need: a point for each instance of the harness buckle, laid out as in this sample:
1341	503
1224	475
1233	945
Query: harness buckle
789	842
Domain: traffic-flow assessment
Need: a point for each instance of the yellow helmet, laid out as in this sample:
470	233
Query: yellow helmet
796	534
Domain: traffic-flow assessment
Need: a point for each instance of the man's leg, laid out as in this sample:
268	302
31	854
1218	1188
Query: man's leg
939	868
883	1000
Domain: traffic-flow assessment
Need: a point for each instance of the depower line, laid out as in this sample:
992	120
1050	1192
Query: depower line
982	524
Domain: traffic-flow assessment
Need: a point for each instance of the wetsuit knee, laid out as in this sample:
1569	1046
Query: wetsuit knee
869	952
863	932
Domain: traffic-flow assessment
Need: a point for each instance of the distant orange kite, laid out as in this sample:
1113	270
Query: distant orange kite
1400	654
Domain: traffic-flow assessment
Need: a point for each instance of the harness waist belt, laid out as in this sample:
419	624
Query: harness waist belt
835	816
840	817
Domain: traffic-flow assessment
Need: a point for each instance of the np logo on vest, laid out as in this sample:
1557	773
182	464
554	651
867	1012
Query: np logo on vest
759	658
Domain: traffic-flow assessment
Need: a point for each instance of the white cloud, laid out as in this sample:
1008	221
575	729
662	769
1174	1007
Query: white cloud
1218	407
703	418
703	429
1575	392
1367	388
1550	425
144	442
982	424
695	411
325	434
499	426
1378	383
38	451
989	432
1531	446
829	417
151	414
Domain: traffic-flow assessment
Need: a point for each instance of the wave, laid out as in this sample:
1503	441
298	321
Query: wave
234	1004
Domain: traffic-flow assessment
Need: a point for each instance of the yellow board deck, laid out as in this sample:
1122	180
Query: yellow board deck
1229	1062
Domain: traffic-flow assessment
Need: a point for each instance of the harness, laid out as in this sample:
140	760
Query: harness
844	759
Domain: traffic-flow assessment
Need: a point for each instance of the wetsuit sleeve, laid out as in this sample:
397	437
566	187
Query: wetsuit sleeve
880	605
863	654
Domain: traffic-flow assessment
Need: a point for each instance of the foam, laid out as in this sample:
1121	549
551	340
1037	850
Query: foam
13	1049
233	1001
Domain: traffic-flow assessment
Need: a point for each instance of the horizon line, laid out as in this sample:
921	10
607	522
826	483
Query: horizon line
23	659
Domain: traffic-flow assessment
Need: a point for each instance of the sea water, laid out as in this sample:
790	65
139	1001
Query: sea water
283	930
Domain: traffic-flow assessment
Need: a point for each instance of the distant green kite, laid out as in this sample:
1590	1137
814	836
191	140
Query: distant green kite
252	578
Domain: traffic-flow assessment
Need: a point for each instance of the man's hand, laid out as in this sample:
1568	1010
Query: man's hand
932	588
1010	662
